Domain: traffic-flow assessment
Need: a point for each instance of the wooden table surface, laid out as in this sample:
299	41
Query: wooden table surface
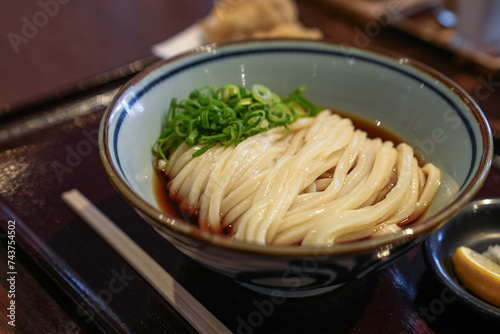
55	50
50	49
53	47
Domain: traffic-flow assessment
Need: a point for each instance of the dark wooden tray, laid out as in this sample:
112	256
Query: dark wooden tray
103	293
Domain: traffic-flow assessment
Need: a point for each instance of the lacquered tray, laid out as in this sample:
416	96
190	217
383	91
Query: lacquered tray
103	293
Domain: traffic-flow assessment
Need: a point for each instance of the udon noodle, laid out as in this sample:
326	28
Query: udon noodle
322	181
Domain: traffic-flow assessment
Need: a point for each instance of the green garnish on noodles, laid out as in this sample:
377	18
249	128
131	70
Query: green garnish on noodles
228	115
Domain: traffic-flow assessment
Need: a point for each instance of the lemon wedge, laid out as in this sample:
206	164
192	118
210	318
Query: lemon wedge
480	274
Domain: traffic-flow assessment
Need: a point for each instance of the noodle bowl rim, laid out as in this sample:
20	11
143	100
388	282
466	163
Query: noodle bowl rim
419	230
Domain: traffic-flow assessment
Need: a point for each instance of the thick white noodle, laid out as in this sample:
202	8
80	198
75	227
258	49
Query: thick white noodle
320	182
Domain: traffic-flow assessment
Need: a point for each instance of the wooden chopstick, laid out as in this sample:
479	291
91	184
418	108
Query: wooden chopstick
190	308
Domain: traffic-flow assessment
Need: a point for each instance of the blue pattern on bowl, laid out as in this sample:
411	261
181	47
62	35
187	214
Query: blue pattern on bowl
421	106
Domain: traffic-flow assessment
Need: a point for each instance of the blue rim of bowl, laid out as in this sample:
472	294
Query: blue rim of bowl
386	58
436	265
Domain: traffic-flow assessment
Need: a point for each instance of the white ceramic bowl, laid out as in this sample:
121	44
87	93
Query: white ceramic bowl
424	108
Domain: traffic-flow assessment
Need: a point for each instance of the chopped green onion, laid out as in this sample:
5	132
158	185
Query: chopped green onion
227	116
245	101
262	94
279	114
230	94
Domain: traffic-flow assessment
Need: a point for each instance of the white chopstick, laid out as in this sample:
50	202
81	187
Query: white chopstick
195	313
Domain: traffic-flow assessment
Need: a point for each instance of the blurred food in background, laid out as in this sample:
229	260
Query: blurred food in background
236	19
